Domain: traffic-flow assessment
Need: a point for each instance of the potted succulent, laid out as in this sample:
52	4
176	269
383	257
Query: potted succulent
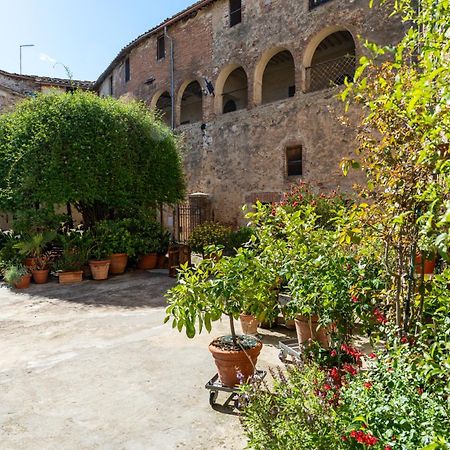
203	294
17	276
37	260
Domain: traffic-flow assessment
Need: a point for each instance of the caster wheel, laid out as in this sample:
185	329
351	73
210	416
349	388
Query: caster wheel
213	397
282	357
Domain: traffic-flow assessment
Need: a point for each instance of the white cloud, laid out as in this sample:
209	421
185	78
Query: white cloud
46	58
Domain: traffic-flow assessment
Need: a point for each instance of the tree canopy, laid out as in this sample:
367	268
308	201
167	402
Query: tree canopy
102	155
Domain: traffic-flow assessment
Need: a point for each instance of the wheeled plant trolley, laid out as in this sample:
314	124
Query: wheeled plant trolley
290	351
214	385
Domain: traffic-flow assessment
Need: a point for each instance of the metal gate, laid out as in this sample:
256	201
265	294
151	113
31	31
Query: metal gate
190	214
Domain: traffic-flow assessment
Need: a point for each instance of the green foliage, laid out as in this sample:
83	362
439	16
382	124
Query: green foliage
102	155
34	246
116	236
9	254
291	416
77	247
148	236
14	273
207	234
29	222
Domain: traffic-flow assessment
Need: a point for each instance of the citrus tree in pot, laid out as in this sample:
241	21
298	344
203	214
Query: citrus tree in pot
203	294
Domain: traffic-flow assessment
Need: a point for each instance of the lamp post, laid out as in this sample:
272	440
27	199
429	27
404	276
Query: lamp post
20	60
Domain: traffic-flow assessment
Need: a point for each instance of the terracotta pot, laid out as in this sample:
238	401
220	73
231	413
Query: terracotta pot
429	265
70	277
148	262
306	327
30	262
24	282
249	324
100	269
233	366
40	276
119	263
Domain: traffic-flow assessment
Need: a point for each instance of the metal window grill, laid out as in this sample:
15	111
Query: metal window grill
315	3
330	73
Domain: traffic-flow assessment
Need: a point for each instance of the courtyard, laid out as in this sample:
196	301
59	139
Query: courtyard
91	366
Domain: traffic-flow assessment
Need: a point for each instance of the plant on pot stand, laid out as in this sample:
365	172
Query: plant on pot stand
203	294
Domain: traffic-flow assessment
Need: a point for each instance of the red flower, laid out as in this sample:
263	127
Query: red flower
388	447
333	353
372	356
355	299
404	340
327	387
349	369
368	385
379	316
420	391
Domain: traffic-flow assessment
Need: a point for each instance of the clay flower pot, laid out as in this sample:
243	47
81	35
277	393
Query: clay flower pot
40	276
118	264
162	263
249	324
429	265
306	327
235	366
70	277
148	262
24	282
100	269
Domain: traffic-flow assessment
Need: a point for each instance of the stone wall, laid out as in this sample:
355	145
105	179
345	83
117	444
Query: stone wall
240	156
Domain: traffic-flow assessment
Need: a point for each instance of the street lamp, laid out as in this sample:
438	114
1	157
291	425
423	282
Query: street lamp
20	46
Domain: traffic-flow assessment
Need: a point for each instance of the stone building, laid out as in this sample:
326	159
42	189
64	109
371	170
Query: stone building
254	85
15	87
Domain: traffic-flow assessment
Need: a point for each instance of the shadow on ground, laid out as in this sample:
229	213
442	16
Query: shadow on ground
139	289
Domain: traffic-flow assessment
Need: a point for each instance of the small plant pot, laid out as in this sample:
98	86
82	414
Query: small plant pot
40	276
70	277
235	366
429	265
307	330
30	262
249	324
100	269
148	262
119	263
24	282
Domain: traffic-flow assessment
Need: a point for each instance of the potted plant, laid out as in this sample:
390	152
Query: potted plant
163	248
118	238
37	260
76	246
98	252
203	294
18	276
148	243
425	259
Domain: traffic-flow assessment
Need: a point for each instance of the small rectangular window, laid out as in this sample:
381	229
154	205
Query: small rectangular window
235	12
161	47
294	161
127	70
111	85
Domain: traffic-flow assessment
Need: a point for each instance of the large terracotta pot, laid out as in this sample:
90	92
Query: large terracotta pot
162	262
100	269
70	277
40	276
24	282
306	327
148	262
119	263
234	366
429	265
249	324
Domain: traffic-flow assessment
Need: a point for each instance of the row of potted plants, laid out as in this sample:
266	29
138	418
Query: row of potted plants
102	250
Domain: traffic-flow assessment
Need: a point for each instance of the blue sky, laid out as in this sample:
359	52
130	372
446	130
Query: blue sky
83	35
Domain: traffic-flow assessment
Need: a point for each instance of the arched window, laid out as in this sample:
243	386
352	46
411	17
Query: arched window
164	106
235	91
278	80
333	61
191	104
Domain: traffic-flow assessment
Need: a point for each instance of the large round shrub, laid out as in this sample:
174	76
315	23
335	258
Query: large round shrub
104	156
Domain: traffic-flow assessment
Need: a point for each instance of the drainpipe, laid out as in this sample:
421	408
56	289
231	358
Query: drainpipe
172	77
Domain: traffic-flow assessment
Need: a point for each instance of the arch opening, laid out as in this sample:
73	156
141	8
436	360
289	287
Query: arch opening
164	106
333	61
278	82
235	91
191	104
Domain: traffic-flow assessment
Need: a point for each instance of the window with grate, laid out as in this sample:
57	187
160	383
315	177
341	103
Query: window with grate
294	161
161	47
127	70
235	12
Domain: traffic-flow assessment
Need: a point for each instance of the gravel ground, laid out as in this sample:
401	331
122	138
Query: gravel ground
91	366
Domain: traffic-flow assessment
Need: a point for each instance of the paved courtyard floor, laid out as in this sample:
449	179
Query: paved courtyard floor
92	366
